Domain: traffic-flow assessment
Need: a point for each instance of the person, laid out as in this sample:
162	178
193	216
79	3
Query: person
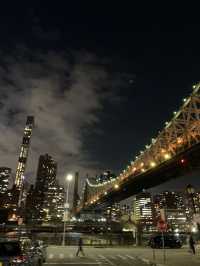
80	247
191	243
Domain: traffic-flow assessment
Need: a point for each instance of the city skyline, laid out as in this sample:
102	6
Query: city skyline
126	78
107	175
99	133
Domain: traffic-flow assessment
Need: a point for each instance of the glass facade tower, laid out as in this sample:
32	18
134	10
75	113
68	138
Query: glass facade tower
24	152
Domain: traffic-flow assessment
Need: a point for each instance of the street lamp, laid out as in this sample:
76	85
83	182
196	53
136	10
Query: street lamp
69	178
194	229
116	186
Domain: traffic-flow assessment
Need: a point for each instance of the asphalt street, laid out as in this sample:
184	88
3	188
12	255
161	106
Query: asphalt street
93	256
120	256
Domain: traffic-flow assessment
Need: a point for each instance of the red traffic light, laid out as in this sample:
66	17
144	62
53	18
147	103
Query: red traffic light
183	161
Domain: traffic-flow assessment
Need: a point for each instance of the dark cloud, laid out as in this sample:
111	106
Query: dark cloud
65	92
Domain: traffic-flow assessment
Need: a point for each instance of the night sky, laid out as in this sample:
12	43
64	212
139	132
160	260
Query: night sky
101	80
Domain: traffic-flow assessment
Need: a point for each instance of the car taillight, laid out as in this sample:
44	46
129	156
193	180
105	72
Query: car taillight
19	259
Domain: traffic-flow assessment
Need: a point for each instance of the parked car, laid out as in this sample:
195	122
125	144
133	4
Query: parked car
12	254
170	241
41	248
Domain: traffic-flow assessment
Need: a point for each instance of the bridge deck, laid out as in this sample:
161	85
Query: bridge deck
166	171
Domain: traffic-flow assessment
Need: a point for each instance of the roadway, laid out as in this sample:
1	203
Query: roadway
93	256
120	256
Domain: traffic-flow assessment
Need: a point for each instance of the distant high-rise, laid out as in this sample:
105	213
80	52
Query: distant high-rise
75	195
46	173
171	204
168	200
105	176
5	173
24	152
48	195
113	213
143	210
192	202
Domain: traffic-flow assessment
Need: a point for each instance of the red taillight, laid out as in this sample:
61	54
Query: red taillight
19	259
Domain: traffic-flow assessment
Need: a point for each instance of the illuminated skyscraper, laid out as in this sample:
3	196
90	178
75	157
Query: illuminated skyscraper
75	195
192	202
171	205
24	152
5	173
46	173
48	196
143	210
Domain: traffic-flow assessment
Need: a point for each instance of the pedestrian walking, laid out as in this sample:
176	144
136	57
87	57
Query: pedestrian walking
192	244
80	247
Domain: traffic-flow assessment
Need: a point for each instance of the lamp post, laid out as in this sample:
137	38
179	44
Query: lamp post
66	206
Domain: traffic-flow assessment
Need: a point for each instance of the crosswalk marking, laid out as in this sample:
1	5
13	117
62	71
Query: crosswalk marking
122	257
112	257
107	260
51	256
145	260
130	257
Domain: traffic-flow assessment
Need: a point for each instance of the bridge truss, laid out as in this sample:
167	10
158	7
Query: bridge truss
179	135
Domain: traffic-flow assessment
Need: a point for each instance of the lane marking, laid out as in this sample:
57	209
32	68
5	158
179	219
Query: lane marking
107	260
51	256
145	260
130	257
112	257
122	257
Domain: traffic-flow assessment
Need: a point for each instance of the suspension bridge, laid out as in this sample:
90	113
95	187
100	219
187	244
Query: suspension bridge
174	152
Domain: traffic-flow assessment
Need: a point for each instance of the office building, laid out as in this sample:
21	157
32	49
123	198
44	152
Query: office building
46	173
143	211
192	202
5	174
48	194
176	220
168	200
75	194
172	206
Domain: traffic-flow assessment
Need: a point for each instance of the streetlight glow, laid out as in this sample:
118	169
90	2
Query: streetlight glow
194	230
167	156
179	140
69	177
116	186
152	164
